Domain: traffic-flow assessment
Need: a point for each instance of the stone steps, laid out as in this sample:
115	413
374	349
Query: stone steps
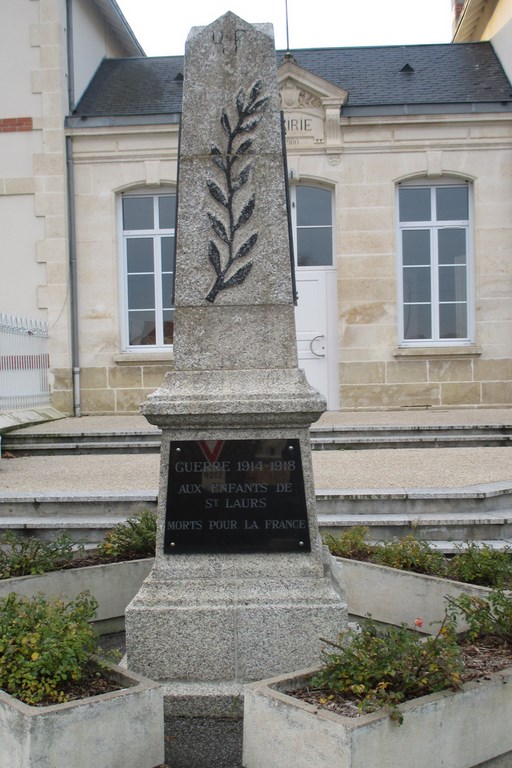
325	437
322	438
446	518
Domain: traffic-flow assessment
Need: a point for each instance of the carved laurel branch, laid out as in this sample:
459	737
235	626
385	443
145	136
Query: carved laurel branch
233	180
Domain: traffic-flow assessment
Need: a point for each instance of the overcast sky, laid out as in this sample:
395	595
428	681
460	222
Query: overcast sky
162	26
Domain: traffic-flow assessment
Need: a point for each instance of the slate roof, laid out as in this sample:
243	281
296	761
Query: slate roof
449	74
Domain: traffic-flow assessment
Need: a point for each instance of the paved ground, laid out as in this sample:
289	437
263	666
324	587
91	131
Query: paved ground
410	416
394	468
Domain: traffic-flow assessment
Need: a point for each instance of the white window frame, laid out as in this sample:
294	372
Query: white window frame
433	226
157	235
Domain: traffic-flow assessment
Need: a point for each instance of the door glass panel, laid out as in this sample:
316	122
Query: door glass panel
414	204
137	213
139	254
313	207
314	247
452	203
416	247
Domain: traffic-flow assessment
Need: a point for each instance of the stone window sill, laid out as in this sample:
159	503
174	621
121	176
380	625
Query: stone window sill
143	358
471	350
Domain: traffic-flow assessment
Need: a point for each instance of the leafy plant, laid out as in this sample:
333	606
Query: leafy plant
26	556
44	645
237	147
352	544
133	539
473	563
484	617
481	564
410	554
382	668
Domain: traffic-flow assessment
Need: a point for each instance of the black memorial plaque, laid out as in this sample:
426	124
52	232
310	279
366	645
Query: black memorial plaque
237	496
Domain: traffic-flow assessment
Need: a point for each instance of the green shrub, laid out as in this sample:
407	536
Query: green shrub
473	563
410	554
23	557
485	617
351	544
134	539
382	668
44	645
481	564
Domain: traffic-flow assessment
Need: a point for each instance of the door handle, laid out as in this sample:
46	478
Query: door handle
317	354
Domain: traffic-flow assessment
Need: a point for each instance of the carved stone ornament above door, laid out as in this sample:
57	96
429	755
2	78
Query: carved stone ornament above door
311	107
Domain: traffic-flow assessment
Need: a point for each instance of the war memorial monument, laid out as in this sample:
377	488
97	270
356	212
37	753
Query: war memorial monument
242	587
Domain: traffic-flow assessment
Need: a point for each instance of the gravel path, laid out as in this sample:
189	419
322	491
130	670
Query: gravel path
396	468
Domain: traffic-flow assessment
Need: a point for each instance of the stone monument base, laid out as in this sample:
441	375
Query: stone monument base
226	632
206	622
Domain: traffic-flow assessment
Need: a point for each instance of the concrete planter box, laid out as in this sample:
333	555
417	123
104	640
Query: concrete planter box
122	729
113	585
462	729
399	597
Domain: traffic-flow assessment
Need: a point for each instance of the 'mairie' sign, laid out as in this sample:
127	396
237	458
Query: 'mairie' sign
238	496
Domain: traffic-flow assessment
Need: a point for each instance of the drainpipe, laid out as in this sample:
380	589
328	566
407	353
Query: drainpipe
73	282
70	189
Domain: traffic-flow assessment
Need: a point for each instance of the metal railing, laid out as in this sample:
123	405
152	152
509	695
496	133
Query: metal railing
24	363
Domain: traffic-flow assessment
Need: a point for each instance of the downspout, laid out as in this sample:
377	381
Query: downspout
73	282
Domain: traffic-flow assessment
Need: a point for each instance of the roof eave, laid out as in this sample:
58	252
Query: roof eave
116	20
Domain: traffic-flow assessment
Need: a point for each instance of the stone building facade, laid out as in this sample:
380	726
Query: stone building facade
400	174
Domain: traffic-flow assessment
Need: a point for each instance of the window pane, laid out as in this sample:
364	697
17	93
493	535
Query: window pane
417	322
452	284
314	247
452	246
313	207
452	203
414	204
453	323
167	254
139	254
168	326
167	212
416	247
167	291
417	284
141	292
141	328
137	213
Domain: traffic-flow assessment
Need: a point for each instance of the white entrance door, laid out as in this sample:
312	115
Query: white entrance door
315	319
315	273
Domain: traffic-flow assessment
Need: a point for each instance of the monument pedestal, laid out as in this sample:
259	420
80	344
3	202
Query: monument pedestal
206	623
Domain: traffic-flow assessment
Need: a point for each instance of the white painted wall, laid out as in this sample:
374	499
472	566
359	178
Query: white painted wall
21	274
502	44
92	42
18	60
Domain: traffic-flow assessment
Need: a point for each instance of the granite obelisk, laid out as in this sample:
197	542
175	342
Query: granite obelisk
241	587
